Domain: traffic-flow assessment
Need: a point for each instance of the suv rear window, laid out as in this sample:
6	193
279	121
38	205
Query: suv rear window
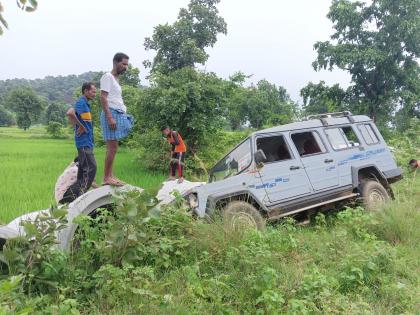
368	134
342	138
308	143
274	148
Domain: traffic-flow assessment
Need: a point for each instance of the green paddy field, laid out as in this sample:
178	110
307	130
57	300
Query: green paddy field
31	163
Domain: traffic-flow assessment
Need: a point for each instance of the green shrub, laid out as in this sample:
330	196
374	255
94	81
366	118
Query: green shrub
55	130
406	145
152	150
33	256
122	286
12	301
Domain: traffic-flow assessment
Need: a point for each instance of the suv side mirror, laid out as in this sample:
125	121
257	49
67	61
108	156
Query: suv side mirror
260	157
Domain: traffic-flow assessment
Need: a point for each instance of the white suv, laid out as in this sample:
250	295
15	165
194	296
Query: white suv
307	165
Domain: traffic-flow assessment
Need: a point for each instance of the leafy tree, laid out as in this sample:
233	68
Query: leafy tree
183	43
409	108
27	106
280	107
131	96
236	100
264	105
261	105
187	100
320	98
130	77
6	118
25	5
236	107
56	112
379	44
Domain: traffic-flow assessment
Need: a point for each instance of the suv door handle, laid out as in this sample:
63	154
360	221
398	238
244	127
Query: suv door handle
328	160
292	168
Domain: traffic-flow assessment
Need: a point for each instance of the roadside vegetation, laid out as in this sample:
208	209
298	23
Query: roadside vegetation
139	260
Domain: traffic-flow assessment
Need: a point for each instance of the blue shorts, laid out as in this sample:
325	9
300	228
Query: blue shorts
124	125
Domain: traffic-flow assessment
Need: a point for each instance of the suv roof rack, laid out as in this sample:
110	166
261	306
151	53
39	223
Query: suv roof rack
323	117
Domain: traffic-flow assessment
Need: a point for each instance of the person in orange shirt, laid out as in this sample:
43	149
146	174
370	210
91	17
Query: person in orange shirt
177	153
414	164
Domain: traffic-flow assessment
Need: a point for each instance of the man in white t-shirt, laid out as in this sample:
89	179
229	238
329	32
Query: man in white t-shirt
115	123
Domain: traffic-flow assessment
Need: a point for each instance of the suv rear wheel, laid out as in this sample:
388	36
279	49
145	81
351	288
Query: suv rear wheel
239	215
374	194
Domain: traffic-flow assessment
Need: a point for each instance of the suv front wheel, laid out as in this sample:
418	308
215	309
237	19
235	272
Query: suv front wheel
240	214
374	194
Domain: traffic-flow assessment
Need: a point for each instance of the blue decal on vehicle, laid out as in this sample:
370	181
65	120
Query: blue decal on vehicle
273	183
361	156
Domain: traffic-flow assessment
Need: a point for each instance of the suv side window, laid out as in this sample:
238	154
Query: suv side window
308	143
275	148
342	138
368	134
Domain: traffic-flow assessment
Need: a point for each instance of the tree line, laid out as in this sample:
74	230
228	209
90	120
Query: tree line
25	102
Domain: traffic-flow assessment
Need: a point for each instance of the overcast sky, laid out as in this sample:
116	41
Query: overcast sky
269	39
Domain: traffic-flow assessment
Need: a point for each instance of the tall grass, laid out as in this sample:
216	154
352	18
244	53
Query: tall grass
350	262
31	163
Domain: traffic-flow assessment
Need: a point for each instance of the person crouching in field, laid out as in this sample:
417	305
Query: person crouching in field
81	118
177	153
414	164
116	124
66	179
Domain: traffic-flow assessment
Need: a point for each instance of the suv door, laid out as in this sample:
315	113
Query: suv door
317	161
347	150
282	176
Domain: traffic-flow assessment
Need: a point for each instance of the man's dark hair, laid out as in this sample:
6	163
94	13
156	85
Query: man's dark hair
87	86
412	162
119	57
164	127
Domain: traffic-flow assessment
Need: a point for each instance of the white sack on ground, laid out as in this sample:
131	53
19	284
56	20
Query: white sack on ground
165	194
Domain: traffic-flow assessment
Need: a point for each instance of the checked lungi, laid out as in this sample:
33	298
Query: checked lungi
124	125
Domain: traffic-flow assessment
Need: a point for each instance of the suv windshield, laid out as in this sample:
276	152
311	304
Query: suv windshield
233	163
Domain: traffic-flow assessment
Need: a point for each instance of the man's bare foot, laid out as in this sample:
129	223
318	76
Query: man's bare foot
112	182
94	185
119	180
180	180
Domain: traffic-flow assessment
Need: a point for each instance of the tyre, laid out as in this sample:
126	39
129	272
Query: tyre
374	194
239	215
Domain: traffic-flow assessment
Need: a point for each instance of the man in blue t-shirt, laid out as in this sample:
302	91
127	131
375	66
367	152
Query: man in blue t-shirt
81	118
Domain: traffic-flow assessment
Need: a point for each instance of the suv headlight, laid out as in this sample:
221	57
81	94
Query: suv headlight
193	201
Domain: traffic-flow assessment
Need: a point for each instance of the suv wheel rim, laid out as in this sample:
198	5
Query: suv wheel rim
376	196
242	220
